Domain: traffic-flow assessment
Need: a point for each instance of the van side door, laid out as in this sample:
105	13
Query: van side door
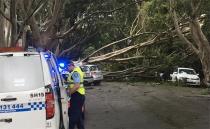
62	93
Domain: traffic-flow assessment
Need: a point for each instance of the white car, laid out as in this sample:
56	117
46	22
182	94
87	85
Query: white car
185	75
32	95
88	79
92	71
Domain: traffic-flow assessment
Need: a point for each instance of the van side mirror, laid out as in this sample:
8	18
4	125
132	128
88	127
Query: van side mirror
175	72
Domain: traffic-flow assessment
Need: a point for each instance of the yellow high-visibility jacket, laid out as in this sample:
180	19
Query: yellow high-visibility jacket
81	90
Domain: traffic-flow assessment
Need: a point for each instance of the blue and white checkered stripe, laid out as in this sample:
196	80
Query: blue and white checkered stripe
37	106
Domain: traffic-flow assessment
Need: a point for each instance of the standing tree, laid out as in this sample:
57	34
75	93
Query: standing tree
37	16
1	25
198	42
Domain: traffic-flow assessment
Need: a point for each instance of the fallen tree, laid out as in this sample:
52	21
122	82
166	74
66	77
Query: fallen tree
134	72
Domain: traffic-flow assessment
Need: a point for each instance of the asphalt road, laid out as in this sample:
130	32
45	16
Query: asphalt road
146	106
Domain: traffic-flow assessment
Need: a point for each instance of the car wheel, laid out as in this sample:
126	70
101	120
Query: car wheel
176	82
97	83
184	82
87	84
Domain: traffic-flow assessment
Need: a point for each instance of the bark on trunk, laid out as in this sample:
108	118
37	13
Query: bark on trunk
2	42
200	44
204	49
35	33
24	38
205	61
13	22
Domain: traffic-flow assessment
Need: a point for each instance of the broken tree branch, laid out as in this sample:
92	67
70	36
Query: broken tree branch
121	51
80	42
40	4
119	41
124	71
131	58
55	14
7	18
129	71
179	32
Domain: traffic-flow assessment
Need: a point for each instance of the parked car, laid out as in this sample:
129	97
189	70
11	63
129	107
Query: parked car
32	94
93	71
88	79
185	75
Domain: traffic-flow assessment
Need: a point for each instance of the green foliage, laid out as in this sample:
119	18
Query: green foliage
116	25
74	9
157	14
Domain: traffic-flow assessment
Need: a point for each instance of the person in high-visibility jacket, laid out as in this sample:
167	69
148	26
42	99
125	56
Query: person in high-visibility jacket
77	91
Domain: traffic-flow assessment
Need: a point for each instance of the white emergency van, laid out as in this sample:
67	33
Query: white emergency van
32	95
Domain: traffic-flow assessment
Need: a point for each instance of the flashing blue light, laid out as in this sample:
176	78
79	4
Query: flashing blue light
60	70
47	56
62	65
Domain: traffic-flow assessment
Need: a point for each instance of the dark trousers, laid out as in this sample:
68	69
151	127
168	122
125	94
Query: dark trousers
75	111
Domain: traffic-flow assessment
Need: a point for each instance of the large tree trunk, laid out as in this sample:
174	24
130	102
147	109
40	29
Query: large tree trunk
35	40
199	43
13	22
205	61
2	37
204	48
35	33
43	39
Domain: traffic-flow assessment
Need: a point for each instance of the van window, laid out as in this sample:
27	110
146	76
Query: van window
53	73
20	73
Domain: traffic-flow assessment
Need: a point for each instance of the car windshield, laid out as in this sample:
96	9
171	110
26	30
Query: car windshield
20	73
188	71
94	68
84	68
